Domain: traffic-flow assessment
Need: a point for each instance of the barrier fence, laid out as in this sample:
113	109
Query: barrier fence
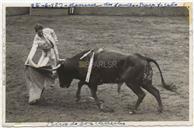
110	11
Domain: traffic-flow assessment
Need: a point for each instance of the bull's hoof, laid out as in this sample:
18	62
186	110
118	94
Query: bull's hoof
160	110
132	112
106	109
34	102
77	100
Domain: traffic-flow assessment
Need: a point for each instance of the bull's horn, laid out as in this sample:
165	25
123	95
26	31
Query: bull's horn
55	68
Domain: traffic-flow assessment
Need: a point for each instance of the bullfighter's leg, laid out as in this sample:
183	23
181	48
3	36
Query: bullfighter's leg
78	97
34	94
139	92
155	92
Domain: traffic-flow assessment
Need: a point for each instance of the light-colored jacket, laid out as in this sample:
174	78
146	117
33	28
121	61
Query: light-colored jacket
49	34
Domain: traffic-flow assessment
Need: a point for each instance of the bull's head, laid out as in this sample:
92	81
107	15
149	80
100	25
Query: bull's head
65	73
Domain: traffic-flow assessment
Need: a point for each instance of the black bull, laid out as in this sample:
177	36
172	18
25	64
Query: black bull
112	67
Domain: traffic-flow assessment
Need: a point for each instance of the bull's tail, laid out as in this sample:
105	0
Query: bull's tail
171	86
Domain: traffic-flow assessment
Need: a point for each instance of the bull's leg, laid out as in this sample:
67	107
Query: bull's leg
155	92
78	97
93	90
139	92
119	87
99	103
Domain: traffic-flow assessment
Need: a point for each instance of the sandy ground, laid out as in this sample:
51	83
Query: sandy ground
165	39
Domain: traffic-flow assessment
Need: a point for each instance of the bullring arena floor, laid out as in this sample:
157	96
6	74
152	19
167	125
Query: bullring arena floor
165	39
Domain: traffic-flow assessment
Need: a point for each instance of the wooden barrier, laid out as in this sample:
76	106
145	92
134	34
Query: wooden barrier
12	11
48	11
110	11
134	11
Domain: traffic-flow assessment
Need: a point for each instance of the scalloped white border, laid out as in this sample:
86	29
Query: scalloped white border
22	3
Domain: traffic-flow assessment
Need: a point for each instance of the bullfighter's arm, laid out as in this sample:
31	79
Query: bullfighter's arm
54	35
55	44
56	52
32	53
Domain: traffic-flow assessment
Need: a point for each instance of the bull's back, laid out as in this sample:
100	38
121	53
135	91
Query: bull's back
108	55
106	68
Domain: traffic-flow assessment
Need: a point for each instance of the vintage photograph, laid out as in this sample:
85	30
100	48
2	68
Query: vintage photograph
76	64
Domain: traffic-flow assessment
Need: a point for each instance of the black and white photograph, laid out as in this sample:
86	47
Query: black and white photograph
97	64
